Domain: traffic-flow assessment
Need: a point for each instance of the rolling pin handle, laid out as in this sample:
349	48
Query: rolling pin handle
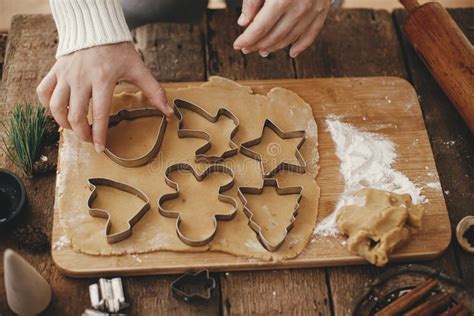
410	5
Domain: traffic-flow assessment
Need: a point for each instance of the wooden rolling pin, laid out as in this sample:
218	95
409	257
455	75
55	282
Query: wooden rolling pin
446	52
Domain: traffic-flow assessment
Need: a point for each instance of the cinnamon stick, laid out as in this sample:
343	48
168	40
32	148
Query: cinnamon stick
404	302
431	306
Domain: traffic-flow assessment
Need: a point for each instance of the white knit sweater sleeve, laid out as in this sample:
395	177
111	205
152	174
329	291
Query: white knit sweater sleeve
86	23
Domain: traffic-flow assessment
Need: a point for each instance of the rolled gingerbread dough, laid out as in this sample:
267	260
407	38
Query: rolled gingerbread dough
78	161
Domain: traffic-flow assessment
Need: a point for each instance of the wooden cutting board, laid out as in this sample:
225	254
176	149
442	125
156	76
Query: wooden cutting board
385	105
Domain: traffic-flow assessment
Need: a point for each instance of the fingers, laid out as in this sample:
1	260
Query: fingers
155	93
101	104
288	39
77	115
59	103
307	38
46	87
277	34
249	11
285	32
264	21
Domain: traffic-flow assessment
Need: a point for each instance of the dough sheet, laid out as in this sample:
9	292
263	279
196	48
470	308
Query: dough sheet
197	202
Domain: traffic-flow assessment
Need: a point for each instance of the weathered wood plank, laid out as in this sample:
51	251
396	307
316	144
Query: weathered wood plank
150	295
262	292
30	54
3	46
173	52
295	292
451	140
223	60
357	42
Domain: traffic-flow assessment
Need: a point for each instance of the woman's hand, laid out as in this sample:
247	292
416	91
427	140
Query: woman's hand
275	24
92	73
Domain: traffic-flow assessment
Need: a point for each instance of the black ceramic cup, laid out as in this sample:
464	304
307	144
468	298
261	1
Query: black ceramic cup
12	197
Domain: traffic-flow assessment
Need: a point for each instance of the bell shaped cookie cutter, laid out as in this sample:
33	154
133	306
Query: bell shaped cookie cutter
130	115
97	212
270	182
301	168
190	278
199	177
201	151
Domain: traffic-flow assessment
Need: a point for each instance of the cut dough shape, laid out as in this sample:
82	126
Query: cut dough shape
378	222
78	161
199	201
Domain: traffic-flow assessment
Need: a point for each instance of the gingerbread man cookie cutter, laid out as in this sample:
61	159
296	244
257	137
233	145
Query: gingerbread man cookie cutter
200	153
97	212
301	168
270	182
130	115
199	177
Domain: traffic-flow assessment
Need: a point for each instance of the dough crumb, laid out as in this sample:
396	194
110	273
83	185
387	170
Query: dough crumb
384	221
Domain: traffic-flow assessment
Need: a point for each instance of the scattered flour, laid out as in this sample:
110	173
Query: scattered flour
434	185
366	162
61	243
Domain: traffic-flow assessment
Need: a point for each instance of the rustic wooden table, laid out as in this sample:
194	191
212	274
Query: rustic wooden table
355	42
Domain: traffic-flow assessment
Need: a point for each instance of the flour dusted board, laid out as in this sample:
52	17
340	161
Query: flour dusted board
384	105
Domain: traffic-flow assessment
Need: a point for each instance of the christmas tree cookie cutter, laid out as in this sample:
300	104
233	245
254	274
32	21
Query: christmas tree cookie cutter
201	151
130	115
97	212
188	279
301	168
270	182
199	177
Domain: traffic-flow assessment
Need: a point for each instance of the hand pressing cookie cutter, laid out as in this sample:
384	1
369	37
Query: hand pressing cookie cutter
267	182
130	115
199	177
97	212
201	151
178	287
301	168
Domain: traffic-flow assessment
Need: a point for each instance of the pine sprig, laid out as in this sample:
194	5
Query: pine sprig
24	134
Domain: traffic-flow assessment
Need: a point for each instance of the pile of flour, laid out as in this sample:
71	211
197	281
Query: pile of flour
366	162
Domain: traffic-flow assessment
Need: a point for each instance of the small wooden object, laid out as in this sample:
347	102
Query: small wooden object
406	301
446	51
461	228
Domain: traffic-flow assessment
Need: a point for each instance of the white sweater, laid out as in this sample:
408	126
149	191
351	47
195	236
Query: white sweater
86	23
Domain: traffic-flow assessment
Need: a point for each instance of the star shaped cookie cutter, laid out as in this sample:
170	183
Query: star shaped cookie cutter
200	153
130	115
198	177
97	212
270	182
188	278
301	168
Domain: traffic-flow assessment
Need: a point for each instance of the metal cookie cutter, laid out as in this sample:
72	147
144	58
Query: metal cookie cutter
107	296
199	177
130	115
248	212
97	212
201	151
301	168
185	287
